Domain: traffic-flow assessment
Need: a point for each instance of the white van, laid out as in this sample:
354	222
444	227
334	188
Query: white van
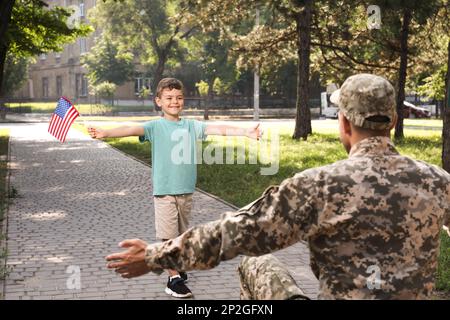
329	110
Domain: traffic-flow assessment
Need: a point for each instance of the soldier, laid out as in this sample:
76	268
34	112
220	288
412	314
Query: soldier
372	221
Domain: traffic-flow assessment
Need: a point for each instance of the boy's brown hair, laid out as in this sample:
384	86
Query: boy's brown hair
169	83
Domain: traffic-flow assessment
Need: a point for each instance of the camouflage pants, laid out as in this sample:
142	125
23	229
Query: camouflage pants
265	278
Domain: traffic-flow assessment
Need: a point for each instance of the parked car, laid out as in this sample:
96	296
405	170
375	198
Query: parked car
412	111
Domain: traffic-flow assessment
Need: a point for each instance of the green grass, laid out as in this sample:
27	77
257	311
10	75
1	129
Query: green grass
423	123
240	184
49	107
443	273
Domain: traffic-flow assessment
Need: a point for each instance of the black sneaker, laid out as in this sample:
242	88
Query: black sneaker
176	288
184	276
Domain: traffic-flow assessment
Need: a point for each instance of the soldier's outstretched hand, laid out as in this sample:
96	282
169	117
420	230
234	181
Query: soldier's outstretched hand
129	263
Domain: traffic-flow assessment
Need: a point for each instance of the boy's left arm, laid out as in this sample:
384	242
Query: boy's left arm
225	130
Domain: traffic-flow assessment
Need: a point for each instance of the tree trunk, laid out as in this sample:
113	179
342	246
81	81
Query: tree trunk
402	71
303	116
5	17
158	75
3	51
446	116
209	99
436	103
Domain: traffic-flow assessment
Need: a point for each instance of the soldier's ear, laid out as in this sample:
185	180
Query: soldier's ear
346	125
394	122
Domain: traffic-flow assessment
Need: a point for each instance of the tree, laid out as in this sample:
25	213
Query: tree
303	23
217	66
286	21
433	86
15	73
105	90
348	45
153	29
203	90
428	76
29	28
105	63
6	7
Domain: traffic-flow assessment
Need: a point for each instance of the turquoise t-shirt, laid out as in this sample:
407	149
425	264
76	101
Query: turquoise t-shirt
174	154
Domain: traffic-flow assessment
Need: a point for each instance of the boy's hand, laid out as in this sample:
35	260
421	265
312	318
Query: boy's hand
96	133
255	132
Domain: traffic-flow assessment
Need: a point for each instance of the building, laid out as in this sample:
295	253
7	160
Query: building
61	74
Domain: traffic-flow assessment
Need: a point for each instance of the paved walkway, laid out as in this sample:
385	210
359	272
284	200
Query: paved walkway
76	202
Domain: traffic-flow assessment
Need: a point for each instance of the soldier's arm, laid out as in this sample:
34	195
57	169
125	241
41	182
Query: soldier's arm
281	217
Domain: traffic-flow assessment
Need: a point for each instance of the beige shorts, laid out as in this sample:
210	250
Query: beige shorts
172	213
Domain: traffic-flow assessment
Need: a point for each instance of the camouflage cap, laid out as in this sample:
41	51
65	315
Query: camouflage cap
364	96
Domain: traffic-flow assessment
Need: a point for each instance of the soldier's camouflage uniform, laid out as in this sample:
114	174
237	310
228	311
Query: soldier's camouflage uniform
372	221
376	209
266	278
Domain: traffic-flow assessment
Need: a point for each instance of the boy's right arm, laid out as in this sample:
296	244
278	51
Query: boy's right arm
125	131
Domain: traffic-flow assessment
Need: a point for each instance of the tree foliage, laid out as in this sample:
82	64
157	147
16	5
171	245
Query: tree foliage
152	29
105	62
15	73
33	28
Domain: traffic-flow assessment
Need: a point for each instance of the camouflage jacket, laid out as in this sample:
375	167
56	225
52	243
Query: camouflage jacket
372	222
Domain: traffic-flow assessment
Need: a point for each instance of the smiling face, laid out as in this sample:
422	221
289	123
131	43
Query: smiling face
171	102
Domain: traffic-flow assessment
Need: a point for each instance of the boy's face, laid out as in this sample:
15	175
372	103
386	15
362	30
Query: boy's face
171	102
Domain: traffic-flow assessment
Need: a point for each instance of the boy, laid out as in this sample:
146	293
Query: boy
174	170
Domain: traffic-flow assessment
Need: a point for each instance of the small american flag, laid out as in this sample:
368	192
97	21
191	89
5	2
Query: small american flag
63	117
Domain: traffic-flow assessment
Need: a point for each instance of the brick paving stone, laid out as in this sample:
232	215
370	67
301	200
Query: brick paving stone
77	201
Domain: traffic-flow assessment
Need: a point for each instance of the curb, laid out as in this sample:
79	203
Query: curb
4	224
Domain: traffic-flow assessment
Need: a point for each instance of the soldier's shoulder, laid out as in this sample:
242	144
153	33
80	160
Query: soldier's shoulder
434	170
340	167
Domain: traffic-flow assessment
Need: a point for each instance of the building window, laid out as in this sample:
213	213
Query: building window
77	84
140	83
45	87
59	86
58	57
84	86
81	85
81	6
137	85
70	49
147	83
82	45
